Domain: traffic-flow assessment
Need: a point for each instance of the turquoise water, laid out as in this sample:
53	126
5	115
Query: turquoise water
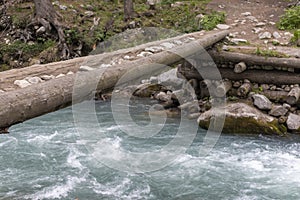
46	158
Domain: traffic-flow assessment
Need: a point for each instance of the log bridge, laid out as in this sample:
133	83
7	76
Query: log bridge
20	104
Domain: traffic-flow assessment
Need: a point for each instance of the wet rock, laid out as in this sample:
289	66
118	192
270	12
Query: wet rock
262	102
22	83
278	111
223	26
293	122
265	35
34	80
241	118
148	90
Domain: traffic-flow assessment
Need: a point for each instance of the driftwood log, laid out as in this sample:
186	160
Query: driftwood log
252	60
23	104
8	77
258	76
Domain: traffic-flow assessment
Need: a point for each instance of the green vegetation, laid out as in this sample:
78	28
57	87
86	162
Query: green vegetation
270	53
290	20
209	22
22	51
296	36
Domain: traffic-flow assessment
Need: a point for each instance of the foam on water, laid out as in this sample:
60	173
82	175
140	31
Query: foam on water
52	162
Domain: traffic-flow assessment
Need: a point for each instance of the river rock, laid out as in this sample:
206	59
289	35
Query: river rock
262	102
47	77
293	122
34	80
162	96
241	118
278	111
265	35
240	67
22	83
170	78
276	35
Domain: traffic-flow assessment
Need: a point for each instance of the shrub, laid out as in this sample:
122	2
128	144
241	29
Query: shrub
290	20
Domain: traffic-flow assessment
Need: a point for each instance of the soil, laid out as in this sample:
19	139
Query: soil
267	11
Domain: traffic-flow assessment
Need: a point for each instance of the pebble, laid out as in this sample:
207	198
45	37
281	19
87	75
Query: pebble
60	75
70	73
276	35
260	24
154	49
168	45
246	14
47	77
22	83
144	54
85	68
33	80
265	35
89	13
223	26
238	40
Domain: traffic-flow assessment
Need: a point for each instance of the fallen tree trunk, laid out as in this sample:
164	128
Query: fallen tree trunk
258	76
7	78
27	103
251	60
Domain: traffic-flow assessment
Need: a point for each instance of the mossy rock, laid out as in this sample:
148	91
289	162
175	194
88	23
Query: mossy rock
244	119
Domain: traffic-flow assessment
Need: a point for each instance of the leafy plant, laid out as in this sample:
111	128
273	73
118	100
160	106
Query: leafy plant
209	22
291	19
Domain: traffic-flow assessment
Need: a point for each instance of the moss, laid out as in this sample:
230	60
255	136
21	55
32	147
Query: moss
249	126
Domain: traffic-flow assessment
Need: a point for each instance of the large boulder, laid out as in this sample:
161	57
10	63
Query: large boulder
293	122
244	119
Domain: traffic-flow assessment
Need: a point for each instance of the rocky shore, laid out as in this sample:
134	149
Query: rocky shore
250	108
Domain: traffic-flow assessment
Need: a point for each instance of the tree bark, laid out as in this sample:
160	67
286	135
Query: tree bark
128	10
258	76
35	100
46	15
252	60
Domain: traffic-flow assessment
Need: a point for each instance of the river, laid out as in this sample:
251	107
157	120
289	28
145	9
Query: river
45	158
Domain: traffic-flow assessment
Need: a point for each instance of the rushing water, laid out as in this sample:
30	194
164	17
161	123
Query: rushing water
45	158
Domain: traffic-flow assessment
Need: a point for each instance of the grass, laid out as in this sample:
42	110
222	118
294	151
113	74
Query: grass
269	53
209	22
